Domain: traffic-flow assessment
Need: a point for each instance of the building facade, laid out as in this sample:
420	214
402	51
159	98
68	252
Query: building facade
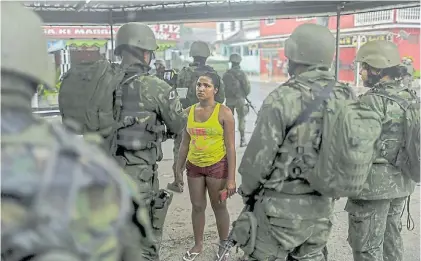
402	26
233	37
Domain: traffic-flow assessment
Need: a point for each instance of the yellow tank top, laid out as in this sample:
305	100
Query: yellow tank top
207	145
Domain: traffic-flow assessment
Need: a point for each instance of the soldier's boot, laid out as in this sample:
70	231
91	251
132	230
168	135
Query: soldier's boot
243	142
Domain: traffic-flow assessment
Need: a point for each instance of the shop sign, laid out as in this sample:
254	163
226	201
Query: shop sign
272	45
353	40
166	32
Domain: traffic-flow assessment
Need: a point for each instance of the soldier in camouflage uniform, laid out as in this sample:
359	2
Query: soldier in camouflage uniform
186	87
154	104
237	88
292	220
407	69
62	199
160	69
374	216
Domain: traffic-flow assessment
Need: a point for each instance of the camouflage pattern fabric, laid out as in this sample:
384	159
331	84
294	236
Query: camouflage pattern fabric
385	181
81	195
291	226
185	79
298	217
237	88
374	216
375	226
158	97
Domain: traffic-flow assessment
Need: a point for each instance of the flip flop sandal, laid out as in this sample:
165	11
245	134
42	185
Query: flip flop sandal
175	188
190	256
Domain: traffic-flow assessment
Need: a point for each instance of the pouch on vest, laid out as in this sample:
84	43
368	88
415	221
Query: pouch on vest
408	158
245	231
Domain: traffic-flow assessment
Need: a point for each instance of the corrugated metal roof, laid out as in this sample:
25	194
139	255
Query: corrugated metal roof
117	12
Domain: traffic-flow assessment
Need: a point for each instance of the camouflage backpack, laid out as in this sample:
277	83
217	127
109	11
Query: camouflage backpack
90	95
55	191
345	144
408	158
233	85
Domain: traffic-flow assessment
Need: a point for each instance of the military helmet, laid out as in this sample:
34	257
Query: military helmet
135	34
24	46
235	58
379	54
311	44
199	48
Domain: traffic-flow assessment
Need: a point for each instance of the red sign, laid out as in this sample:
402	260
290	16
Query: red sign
166	32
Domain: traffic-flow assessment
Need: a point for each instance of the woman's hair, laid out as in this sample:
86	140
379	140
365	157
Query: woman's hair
216	80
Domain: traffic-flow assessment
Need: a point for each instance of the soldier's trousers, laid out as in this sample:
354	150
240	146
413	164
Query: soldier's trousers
374	232
147	181
239	105
284	236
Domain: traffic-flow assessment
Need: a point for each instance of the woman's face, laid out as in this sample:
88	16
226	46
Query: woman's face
205	88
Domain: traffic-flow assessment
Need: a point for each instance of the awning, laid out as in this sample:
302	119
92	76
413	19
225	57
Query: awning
86	43
106	12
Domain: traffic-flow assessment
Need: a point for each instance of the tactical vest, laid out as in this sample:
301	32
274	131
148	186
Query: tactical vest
298	153
145	131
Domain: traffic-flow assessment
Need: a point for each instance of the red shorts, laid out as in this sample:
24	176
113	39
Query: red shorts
218	170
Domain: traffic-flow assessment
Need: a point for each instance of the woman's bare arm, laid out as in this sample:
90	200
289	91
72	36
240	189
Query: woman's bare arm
229	139
184	148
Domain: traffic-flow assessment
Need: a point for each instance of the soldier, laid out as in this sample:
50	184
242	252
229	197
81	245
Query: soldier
167	75
237	88
153	103
290	219
374	215
62	199
186	88
160	69
407	68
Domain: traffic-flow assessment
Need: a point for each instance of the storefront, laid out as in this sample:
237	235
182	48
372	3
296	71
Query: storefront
90	43
273	60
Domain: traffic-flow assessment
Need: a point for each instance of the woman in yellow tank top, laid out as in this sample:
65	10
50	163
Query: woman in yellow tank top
209	147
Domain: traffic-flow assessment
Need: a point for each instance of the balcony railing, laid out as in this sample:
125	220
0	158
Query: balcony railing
372	18
408	15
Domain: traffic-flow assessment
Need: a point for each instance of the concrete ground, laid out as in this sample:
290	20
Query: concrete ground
178	234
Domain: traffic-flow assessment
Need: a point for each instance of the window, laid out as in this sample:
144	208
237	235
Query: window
270	21
232	26
221	27
246	51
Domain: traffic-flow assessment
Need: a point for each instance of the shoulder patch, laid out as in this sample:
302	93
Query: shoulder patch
172	95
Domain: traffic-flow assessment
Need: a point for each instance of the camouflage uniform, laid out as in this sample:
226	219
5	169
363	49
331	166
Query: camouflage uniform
374	216
154	103
62	199
185	79
293	220
237	88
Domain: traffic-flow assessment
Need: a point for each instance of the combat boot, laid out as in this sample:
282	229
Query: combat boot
243	142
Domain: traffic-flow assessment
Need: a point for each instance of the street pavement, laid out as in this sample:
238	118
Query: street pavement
178	234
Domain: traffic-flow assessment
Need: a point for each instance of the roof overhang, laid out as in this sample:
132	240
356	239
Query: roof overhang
119	12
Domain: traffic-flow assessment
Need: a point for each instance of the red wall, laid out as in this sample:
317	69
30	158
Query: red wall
410	47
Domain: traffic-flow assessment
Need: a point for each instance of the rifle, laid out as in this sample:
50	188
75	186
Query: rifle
251	105
230	243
